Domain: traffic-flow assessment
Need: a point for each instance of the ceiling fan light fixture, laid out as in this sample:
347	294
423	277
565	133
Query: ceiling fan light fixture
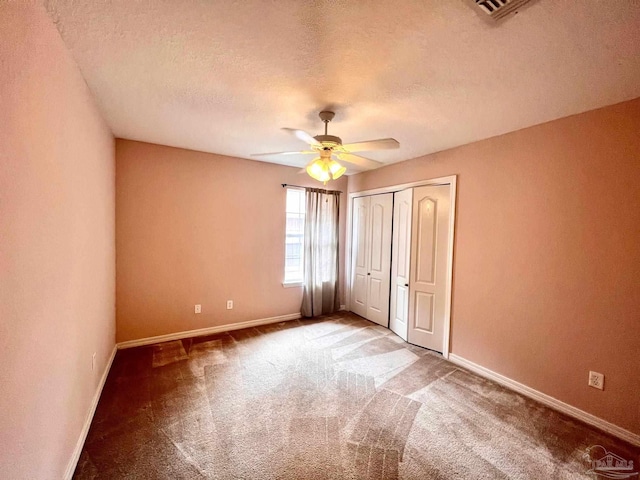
325	169
336	169
319	170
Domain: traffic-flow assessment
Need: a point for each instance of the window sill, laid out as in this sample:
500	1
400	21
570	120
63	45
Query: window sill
292	284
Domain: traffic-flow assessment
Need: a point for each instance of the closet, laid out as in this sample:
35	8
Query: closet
400	254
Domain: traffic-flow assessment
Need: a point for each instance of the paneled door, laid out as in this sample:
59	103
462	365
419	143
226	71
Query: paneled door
400	262
359	255
379	274
429	246
371	257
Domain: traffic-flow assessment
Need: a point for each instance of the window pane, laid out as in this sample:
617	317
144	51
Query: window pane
295	200
294	239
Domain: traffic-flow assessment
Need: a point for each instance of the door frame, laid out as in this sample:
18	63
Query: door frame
450	180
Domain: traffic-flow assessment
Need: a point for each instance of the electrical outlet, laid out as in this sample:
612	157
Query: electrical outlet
93	361
596	380
229	304
198	309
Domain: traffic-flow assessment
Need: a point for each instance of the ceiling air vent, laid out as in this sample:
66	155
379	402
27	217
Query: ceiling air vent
497	9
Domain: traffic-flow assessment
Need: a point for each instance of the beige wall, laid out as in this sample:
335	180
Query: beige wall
57	246
197	228
547	255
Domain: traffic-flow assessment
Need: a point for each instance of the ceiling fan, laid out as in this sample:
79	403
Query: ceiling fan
325	167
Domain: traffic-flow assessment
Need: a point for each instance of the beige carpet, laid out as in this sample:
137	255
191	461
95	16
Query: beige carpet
333	398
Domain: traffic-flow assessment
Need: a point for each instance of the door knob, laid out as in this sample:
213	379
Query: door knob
369	273
406	284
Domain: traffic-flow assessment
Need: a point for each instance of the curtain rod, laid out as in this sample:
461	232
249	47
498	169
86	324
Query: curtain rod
313	188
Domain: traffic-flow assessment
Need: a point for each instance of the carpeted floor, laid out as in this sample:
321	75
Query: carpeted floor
338	397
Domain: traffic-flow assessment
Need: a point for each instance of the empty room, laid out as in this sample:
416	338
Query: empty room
319	239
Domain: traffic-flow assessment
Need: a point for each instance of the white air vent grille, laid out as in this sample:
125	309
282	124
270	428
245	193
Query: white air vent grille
498	9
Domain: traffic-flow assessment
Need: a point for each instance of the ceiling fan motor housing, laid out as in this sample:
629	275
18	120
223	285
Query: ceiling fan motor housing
328	141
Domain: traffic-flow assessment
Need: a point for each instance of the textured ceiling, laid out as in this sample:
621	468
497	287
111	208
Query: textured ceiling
225	76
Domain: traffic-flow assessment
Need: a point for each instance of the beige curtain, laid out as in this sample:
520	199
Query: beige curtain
321	253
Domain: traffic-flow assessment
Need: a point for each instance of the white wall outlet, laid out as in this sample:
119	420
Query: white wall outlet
93	361
198	309
229	304
596	380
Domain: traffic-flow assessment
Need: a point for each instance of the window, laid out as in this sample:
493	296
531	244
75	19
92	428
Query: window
294	242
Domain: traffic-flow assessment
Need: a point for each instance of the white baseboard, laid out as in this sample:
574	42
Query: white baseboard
207	331
71	466
547	400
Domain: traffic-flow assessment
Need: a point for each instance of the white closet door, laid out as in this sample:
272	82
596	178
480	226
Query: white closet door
400	262
429	245
360	254
379	274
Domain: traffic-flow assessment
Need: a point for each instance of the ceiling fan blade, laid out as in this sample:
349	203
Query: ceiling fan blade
302	135
302	152
380	144
359	161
